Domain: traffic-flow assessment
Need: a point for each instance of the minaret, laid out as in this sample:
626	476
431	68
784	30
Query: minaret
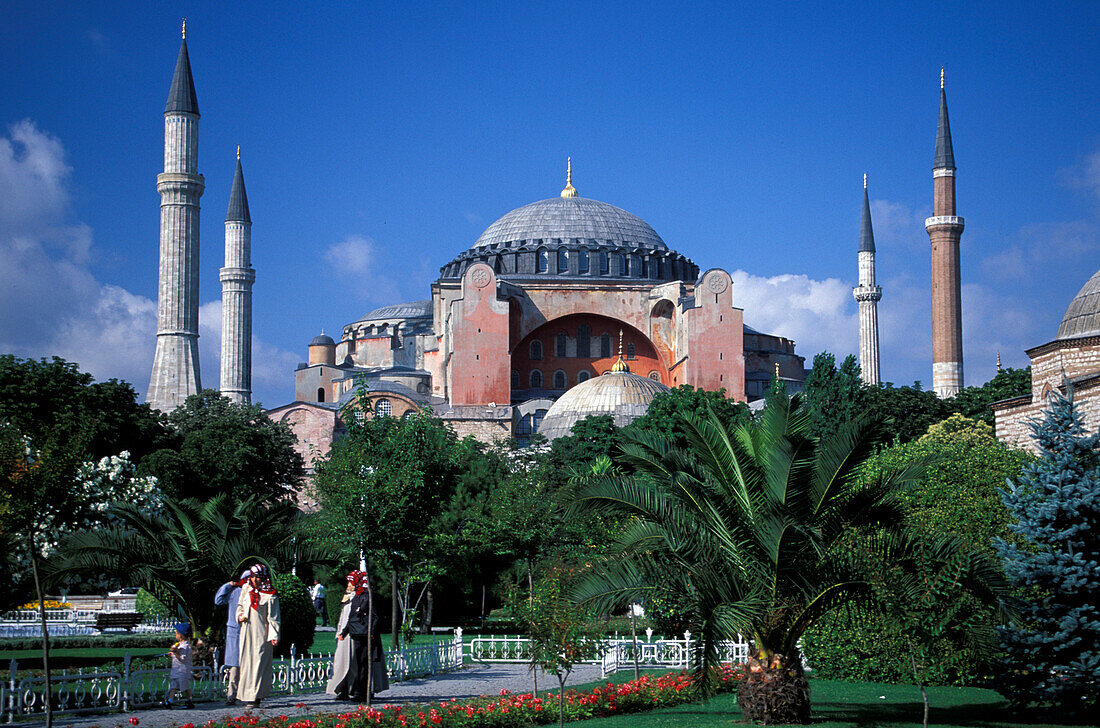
944	230
176	362
237	277
868	295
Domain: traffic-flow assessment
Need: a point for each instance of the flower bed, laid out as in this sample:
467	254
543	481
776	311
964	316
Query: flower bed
506	709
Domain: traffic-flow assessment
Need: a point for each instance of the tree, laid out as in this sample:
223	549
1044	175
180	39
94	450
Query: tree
833	396
974	402
905	412
182	554
663	415
1053	658
747	521
224	447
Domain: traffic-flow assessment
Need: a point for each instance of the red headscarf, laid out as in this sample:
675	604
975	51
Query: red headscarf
265	587
353	577
362	583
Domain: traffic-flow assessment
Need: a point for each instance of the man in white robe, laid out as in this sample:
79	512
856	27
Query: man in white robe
258	615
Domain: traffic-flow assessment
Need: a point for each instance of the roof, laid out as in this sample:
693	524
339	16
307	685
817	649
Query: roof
1083	315
569	218
238	200
622	395
322	340
412	309
866	233
181	97
945	155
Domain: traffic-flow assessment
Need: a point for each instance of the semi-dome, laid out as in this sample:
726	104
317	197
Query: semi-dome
622	395
571	218
1083	315
413	309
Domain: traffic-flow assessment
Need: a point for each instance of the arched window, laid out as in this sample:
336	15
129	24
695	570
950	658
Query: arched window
652	266
542	260
583	376
582	260
620	264
563	260
605	345
536	379
408	414
584	339
630	350
559	379
536	419
655	376
559	344
515	379
320	394
604	268
383	408
636	266
536	350
360	416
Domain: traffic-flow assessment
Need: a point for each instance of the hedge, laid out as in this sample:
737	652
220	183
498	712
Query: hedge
80	641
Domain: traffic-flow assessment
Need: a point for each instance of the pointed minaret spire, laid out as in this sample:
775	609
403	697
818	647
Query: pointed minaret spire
237	278
570	190
868	294
945	155
945	230
181	95
238	200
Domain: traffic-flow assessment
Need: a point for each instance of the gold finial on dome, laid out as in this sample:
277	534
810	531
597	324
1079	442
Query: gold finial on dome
238	152
998	361
777	370
620	364
941	76
570	190
183	30
864	180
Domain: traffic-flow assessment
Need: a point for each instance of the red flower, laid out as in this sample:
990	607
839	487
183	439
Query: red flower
134	721
299	705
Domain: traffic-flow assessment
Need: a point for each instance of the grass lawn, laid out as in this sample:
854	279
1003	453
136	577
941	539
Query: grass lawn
846	704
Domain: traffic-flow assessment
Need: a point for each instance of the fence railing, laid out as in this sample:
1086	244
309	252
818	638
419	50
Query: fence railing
129	689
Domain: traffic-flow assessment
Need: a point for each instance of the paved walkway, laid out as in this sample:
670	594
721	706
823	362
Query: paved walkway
469	682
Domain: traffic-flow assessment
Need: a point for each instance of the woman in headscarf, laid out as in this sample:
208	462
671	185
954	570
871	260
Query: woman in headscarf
368	663
342	657
258	615
230	594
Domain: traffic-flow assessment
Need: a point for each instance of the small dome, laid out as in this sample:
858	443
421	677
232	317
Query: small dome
322	340
1083	315
569	218
622	395
413	309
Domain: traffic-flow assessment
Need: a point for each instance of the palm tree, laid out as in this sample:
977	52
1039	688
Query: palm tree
748	524
185	552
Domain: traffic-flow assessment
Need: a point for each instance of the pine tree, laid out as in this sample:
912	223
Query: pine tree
1053	657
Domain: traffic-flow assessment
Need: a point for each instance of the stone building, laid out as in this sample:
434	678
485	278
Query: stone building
1070	360
535	307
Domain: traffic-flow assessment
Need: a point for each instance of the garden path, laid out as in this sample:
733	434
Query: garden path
469	682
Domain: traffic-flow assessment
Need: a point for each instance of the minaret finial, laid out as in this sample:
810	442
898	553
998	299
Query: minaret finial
777	370
864	180
183	30
570	190
941	76
239	159
998	361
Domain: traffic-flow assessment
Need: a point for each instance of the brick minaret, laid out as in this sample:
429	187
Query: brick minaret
176	362
944	230
868	295
237	278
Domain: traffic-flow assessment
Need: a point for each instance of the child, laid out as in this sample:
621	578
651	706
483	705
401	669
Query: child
181	666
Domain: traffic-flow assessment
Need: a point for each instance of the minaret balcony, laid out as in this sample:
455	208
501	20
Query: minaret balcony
950	221
867	293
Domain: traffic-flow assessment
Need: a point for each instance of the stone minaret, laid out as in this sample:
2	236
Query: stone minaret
237	277
868	295
176	362
944	230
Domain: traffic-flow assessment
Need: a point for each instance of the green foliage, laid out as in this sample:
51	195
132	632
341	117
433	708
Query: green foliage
298	619
974	402
224	447
590	438
150	606
666	409
906	412
91	641
833	396
1053	657
957	496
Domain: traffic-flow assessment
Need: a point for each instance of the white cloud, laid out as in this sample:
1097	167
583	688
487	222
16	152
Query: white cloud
52	303
1039	247
817	315
353	256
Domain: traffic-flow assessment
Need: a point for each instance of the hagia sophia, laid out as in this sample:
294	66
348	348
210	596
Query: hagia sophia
562	308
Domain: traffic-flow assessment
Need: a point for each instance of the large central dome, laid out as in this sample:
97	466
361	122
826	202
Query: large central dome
570	219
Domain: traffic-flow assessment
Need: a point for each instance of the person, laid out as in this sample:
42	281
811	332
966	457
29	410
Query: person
258	616
182	667
367	663
317	592
229	594
342	657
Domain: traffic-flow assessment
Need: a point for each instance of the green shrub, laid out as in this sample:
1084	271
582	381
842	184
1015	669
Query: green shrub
334	593
90	641
150	606
299	619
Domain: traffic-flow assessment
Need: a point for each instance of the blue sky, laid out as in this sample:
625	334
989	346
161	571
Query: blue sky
379	140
